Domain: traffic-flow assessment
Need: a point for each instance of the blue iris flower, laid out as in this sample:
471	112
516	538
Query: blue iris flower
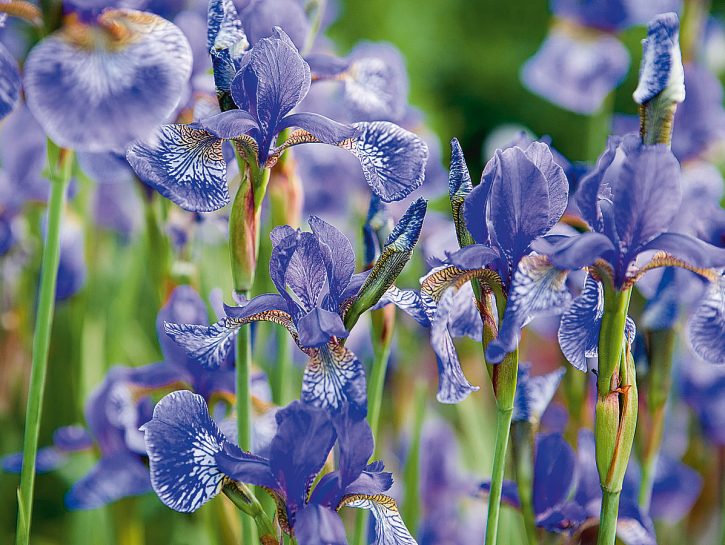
567	494
191	460
258	89
314	275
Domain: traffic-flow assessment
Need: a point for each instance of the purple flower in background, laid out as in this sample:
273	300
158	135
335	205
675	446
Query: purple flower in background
576	72
314	275
534	393
191	459
262	86
101	84
630	200
72	268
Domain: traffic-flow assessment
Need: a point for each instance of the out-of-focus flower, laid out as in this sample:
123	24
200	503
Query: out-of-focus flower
101	83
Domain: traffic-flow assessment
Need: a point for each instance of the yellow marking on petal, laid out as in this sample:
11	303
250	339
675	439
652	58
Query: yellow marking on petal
436	283
23	10
382	499
663	259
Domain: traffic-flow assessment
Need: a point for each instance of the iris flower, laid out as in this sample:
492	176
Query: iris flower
314	275
192	460
258	89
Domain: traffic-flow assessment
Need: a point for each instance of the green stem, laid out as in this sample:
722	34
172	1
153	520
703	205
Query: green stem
522	448
243	498
608	518
411	476
59	176
503	424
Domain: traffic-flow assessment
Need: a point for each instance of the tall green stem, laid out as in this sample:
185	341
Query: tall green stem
610	510
504	376
522	449
411	476
60	163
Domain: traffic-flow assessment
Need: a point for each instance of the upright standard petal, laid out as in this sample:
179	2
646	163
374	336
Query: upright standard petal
182	441
99	87
334	376
392	159
10	82
537	288
661	70
338	254
389	526
707	324
185	165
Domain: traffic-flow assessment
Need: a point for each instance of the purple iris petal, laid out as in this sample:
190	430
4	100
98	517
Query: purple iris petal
707	324
48	459
319	525
576	73
334	376
185	165
453	386
114	477
588	489
338	255
305	436
409	301
591	185
262	16
633	526
692	250
72	269
509	493
323	128
182	441
392	159
581	250
227	125
475	256
184	306
600	14
675	490
72	439
533	394
10	82
661	70
537	289
318	326
105	96
554	474
224	30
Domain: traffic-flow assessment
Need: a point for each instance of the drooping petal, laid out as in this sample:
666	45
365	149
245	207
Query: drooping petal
10	82
114	477
227	125
453	386
334	376
182	441
318	326
323	128
210	345
474	256
646	197
389	526
99	87
661	69
576	73
581	251
537	288
392	159
533	394
579	327
305	436
185	165
409	301
707	325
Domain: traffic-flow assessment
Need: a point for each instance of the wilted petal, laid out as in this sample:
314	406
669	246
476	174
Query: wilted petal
533	394
10	83
537	288
661	69
707	324
185	165
114	477
389	528
182	441
554	472
100	87
576	74
305	436
392	159
334	376
453	386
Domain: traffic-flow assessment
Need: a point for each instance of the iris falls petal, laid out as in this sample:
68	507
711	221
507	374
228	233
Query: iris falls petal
334	376
707	324
98	87
389	528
